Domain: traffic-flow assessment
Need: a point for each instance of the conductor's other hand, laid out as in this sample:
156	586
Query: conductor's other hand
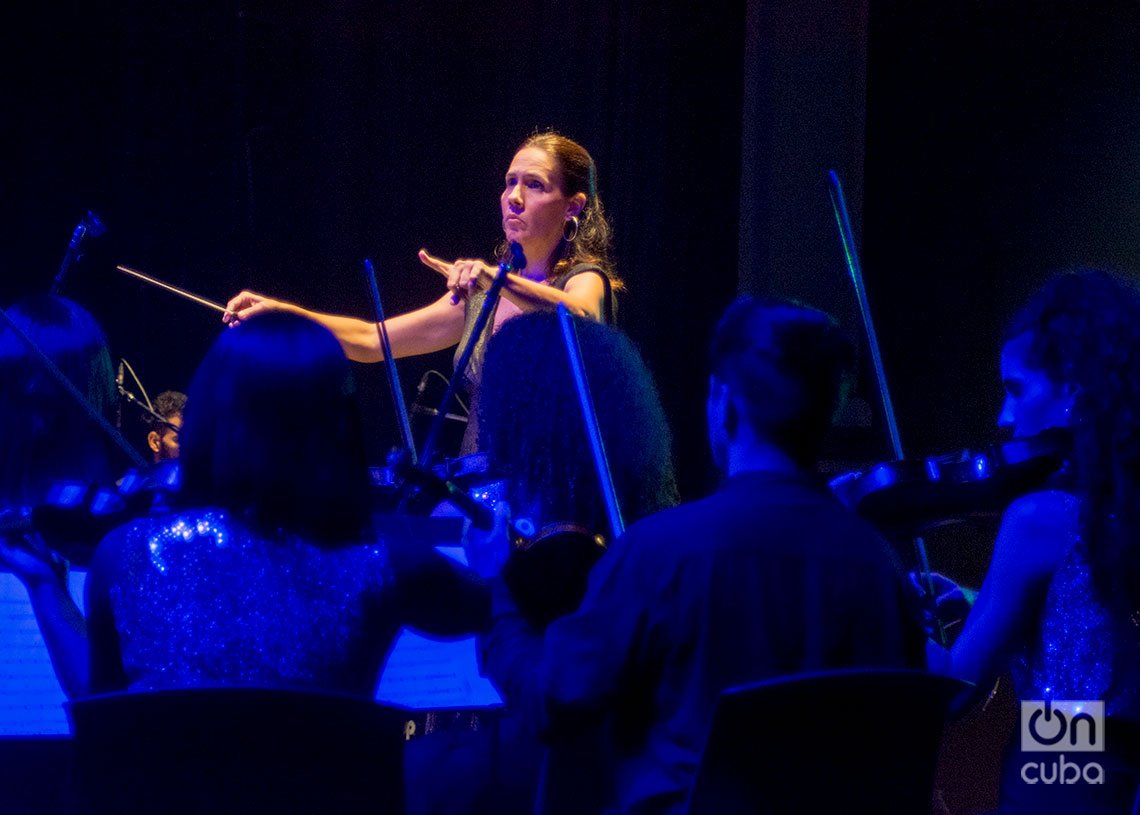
249	304
464	276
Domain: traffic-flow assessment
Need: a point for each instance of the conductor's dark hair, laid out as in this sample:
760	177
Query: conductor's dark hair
272	431
789	365
532	427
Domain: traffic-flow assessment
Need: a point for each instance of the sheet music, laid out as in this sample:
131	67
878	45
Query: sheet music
427	674
31	700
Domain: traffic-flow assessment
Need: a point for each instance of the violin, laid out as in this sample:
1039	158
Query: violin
912	495
76	515
548	569
548	565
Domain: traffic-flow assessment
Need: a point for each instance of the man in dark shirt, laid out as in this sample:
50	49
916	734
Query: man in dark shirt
768	576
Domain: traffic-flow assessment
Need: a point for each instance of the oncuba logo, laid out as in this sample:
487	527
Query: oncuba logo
1062	726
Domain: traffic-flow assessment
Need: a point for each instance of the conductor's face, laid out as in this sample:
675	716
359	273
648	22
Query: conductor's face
534	207
1033	402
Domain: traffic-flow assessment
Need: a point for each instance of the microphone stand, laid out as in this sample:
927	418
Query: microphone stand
392	375
851	256
590	417
72	391
134	400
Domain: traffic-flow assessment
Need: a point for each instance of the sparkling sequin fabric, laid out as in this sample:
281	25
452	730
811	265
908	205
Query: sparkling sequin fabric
1082	653
198	599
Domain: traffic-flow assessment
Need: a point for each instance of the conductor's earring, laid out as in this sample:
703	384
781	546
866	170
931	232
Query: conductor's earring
570	229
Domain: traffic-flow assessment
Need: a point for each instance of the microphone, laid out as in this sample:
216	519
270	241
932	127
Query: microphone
119	376
416	407
420	410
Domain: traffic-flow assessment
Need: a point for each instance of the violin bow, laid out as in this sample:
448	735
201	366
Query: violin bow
392	376
851	258
154	281
593	431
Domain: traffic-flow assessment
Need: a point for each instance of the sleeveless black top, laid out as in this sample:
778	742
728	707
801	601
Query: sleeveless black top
474	373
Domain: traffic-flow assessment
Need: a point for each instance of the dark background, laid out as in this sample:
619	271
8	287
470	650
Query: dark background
230	145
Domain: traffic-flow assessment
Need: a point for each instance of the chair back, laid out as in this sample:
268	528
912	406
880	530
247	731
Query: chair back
838	741
237	750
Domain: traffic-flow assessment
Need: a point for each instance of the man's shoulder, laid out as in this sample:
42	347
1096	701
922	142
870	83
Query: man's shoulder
796	515
676	519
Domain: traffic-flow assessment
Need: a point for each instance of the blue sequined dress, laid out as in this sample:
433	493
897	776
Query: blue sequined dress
1079	652
197	598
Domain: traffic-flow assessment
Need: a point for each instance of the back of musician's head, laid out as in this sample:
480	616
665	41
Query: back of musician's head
786	367
46	435
272	431
531	423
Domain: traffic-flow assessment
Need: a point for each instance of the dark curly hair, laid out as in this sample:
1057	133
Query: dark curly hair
577	173
168	405
1085	333
532	430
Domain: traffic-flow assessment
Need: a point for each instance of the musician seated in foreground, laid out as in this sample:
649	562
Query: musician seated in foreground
1060	603
536	442
271	575
47	439
769	576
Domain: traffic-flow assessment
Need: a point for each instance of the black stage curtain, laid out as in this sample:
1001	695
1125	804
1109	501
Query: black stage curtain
275	146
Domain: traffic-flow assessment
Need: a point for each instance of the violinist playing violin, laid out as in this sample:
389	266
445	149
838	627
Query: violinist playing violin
769	576
1060	604
270	571
45	439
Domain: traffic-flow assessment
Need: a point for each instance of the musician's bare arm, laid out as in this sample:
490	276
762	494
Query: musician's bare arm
1036	533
